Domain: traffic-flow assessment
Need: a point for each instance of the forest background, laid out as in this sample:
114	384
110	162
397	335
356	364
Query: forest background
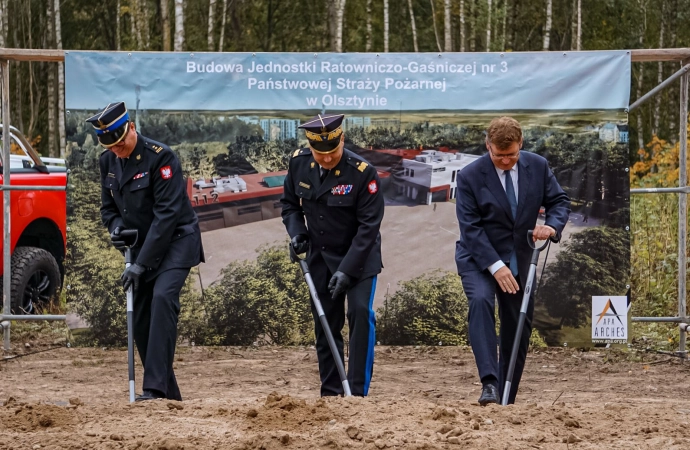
37	99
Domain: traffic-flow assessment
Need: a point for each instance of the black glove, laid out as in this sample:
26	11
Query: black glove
117	241
339	284
131	275
300	243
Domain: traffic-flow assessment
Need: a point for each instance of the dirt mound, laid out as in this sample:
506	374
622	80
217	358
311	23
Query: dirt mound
29	417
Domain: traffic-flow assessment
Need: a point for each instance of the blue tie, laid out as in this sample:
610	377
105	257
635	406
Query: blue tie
510	192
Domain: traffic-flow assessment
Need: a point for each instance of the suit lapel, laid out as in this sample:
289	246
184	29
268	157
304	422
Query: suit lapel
314	175
331	180
523	184
495	187
132	166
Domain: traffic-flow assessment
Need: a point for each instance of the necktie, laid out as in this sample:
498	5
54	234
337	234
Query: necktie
510	193
324	174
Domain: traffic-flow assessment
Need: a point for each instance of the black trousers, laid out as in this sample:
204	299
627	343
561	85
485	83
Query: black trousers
362	322
482	290
156	309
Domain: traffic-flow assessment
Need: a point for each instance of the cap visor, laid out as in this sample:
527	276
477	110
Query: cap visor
113	137
325	146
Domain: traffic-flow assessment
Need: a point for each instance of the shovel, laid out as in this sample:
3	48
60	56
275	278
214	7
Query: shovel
130	237
324	322
523	314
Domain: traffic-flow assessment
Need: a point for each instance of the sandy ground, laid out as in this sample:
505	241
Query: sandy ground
420	398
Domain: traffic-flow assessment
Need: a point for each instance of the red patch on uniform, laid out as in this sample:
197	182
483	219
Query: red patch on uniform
373	188
166	172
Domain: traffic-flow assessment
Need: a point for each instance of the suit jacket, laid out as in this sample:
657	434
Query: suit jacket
343	214
149	195
488	230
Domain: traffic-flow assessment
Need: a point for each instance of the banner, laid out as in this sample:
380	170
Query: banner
233	120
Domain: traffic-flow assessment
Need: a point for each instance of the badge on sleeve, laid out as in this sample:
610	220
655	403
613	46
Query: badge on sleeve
373	188
166	173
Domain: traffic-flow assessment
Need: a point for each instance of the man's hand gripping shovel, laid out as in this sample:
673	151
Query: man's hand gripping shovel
322	318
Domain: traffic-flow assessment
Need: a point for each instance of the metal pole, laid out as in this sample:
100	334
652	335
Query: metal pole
675	190
683	207
7	242
664	84
31	317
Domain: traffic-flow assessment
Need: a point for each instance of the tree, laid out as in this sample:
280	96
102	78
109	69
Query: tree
462	25
448	40
488	25
594	261
165	24
339	17
211	10
266	300
61	82
413	26
179	25
433	18
427	310
222	26
386	22
547	26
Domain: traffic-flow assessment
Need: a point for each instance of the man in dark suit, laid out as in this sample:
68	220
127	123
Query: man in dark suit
338	193
142	189
498	201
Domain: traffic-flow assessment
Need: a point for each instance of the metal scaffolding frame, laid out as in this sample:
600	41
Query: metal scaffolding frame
682	190
681	55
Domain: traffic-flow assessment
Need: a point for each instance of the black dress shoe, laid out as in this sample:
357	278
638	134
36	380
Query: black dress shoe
489	395
149	394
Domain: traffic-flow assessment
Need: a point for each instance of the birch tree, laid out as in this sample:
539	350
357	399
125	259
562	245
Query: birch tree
367	46
222	26
547	26
179	25
414	26
448	41
211	9
385	26
3	20
488	25
165	24
61	81
134	23
462	25
504	19
339	16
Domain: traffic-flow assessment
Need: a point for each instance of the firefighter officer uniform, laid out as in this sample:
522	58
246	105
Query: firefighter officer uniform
142	188
338	193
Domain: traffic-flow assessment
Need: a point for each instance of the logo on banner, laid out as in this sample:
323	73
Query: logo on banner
610	320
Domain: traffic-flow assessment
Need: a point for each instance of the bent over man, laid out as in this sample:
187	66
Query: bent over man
142	189
338	193
498	201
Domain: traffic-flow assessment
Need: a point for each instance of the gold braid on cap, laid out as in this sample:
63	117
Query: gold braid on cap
323	137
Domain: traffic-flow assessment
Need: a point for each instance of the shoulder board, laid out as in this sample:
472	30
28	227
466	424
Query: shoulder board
301	152
358	164
154	147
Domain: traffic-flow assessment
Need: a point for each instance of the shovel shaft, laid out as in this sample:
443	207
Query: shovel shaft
130	329
520	326
326	328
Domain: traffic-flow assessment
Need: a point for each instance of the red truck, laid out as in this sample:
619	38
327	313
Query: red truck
38	226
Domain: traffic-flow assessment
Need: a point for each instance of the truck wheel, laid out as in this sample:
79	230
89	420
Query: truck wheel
35	279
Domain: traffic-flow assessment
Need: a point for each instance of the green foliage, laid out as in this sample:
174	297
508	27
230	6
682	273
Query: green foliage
429	309
265	300
594	261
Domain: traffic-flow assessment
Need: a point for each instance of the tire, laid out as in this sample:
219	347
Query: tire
35	280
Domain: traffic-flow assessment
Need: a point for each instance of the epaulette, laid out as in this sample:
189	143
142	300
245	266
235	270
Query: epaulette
301	152
359	164
153	147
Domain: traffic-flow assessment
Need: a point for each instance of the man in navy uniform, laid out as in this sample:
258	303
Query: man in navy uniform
338	193
498	201
142	189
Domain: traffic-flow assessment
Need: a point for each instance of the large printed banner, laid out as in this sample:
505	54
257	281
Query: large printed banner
233	119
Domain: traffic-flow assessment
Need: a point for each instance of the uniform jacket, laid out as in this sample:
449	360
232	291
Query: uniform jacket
488	231
343	214
149	195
